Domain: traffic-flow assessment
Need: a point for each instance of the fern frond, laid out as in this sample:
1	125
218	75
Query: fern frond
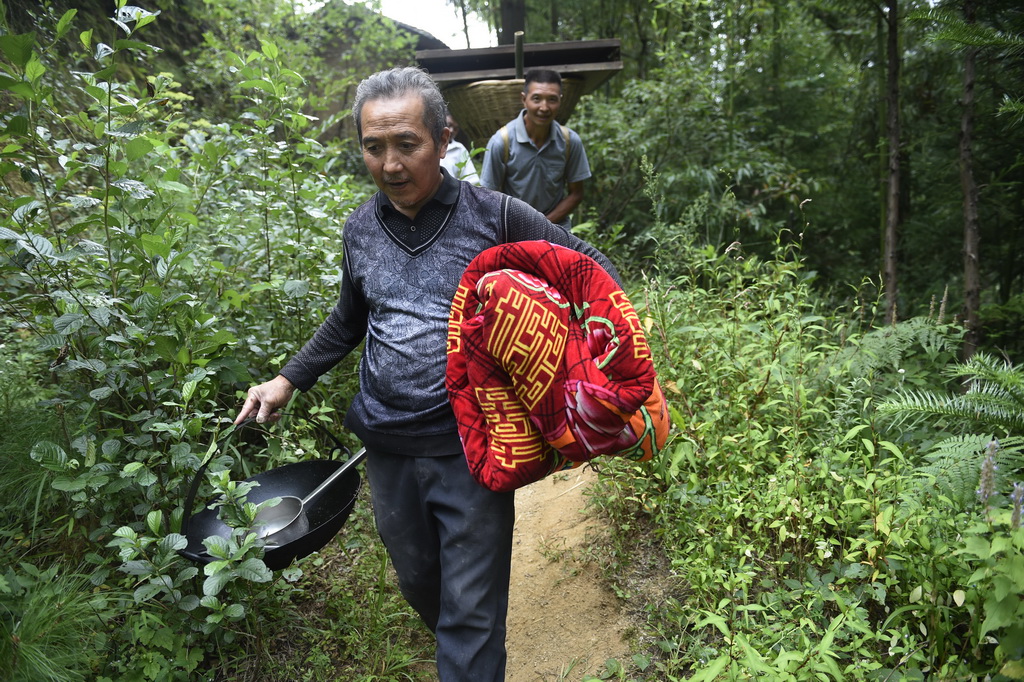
955	30
988	410
994	398
888	347
984	368
1014	108
954	465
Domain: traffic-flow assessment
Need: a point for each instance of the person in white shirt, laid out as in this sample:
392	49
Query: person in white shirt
457	160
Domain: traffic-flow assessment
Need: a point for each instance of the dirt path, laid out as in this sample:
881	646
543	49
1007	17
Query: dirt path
563	623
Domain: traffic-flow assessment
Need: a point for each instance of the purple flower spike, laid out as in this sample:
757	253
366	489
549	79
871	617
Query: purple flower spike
1018	501
987	485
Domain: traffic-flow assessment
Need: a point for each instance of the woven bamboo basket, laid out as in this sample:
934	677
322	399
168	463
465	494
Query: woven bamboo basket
484	106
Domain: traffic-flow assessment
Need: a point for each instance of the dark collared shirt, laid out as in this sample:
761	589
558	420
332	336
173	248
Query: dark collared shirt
418	231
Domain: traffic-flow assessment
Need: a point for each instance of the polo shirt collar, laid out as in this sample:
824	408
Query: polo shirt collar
447	194
522	137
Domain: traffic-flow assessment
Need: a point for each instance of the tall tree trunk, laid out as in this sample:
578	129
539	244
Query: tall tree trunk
883	160
513	18
464	13
972	277
890	273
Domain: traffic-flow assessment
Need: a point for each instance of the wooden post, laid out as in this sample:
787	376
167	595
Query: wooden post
519	54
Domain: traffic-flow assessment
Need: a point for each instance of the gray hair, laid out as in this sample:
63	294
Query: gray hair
397	83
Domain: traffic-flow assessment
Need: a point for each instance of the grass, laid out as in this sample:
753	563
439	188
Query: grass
50	625
350	621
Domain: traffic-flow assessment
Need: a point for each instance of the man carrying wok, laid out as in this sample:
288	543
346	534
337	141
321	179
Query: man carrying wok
449	538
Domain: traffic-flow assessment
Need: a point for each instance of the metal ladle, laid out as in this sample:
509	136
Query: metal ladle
288	517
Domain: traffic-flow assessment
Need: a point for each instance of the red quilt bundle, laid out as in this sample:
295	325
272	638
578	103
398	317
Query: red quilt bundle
548	366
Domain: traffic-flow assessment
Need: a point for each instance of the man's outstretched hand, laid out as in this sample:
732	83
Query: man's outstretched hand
263	400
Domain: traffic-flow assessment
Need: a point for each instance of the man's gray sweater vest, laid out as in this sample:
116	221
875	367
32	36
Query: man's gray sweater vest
399	299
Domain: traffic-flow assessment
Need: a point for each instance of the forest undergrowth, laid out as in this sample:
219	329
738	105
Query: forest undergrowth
838	500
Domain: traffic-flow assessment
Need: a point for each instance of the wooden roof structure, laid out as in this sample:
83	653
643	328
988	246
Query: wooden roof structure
481	88
595	61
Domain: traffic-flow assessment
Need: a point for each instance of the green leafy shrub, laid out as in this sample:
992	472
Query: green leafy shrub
789	513
160	263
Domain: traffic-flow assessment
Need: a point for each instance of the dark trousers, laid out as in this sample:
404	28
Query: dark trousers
450	541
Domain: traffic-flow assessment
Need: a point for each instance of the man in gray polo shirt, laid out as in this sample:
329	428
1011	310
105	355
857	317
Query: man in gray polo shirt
536	159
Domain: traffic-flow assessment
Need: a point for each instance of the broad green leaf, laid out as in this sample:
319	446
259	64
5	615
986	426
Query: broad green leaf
38	245
135	45
1002	587
234	611
126	533
65	22
134	188
146	591
259	84
101	393
977	546
712	671
174	186
131	467
187	573
1013	670
138	147
138	567
18	47
17	125
26	212
155	245
999	614
188	389
216	582
217	546
255	571
91	364
296	288
752	660
22	89
69	485
69	323
269	49
172	542
154	521
716	620
50	455
34	70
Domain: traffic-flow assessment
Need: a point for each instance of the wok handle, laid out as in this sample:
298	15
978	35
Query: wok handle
194	487
349	463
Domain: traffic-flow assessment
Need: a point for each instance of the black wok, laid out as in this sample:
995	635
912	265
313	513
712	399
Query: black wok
325	515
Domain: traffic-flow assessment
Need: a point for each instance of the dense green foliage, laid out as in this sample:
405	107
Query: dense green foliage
159	263
839	500
822	540
758	105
